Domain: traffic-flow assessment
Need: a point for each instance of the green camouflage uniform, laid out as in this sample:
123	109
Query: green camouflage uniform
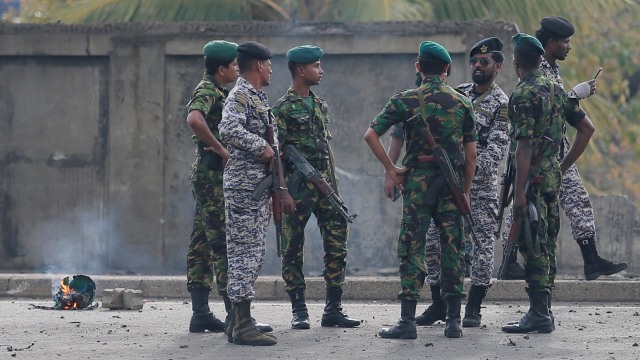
538	108
452	122
207	246
307	130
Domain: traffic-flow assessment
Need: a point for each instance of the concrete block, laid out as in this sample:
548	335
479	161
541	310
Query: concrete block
112	298
132	299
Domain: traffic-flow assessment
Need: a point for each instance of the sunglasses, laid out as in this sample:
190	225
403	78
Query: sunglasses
482	60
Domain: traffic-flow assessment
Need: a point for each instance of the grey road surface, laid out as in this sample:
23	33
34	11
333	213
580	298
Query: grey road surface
159	331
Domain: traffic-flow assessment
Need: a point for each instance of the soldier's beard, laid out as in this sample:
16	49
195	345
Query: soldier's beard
482	79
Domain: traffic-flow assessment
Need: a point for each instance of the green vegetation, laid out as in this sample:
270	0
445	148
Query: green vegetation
605	36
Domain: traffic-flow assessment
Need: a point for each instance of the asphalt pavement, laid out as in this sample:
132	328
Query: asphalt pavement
594	320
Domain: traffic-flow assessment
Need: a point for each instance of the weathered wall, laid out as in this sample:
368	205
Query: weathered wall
95	150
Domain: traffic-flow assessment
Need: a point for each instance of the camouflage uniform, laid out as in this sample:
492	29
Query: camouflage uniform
493	137
207	246
243	128
452	121
573	196
307	129
534	115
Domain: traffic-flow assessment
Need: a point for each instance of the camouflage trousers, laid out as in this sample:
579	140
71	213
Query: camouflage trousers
207	245
247	222
419	209
575	202
334	231
485	214
538	273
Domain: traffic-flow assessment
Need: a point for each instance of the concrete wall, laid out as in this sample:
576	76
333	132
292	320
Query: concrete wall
95	150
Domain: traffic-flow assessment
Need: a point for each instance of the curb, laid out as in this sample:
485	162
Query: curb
356	288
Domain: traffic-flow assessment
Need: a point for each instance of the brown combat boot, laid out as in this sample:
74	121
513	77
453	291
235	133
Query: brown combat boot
244	331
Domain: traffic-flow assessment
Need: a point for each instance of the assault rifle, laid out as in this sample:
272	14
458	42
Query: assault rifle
451	177
315	177
508	177
531	212
274	182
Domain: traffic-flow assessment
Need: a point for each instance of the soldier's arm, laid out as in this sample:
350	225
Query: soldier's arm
523	164
470	157
198	125
395	148
585	130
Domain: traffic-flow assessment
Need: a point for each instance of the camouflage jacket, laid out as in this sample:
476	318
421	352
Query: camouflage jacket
551	72
493	136
537	108
303	127
208	97
450	118
243	128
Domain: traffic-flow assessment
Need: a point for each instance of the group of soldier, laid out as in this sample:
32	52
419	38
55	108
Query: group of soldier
476	125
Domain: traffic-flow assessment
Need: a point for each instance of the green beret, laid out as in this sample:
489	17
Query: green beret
557	26
304	54
255	50
434	49
527	41
220	50
488	45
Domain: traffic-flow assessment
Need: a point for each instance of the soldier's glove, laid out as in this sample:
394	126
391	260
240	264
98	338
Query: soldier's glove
581	91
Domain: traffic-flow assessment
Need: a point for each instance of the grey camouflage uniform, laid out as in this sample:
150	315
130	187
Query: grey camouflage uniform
493	138
573	197
243	129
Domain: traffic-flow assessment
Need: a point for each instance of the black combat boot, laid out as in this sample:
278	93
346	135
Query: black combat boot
513	271
452	327
472	309
594	265
300	318
536	319
333	314
436	311
202	318
406	326
244	332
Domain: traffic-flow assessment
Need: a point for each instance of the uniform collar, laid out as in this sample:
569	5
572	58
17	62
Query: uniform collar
291	93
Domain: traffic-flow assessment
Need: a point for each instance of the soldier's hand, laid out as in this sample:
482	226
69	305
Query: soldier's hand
398	175
267	154
225	157
584	89
288	204
389	186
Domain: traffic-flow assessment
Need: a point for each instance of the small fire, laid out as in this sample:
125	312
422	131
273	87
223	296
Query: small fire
74	294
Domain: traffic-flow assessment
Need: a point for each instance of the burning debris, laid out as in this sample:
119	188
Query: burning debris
75	294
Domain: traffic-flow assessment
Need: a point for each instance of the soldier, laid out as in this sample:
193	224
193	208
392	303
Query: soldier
243	128
537	109
207	247
450	118
490	106
554	34
303	120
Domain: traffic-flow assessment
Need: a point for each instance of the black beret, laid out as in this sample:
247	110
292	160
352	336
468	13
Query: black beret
558	26
488	45
255	50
